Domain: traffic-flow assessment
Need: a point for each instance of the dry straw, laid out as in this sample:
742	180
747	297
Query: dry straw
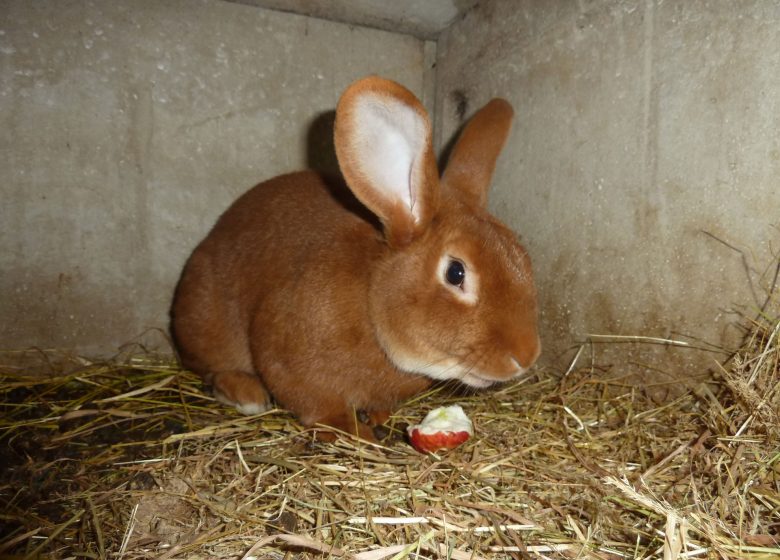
130	460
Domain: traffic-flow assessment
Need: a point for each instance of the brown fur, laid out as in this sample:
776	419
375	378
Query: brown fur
295	295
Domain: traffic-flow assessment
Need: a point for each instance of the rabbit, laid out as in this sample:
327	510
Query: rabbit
341	307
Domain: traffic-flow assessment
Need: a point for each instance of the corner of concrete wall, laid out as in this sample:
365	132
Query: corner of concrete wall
643	169
127	127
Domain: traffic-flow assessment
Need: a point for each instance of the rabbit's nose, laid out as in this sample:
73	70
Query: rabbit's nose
518	369
527	352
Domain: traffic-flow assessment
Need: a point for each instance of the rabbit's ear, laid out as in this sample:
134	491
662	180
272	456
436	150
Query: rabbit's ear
473	159
384	147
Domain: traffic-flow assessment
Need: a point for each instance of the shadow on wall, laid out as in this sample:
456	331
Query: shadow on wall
320	151
321	157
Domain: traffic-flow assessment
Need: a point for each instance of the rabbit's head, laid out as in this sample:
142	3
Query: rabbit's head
454	297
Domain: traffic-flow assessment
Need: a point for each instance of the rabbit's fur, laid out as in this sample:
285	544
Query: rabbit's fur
298	293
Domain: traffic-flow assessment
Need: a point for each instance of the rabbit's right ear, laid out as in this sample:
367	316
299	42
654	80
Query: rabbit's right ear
474	156
384	147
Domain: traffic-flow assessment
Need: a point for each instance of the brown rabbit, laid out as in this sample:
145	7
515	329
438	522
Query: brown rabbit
299	295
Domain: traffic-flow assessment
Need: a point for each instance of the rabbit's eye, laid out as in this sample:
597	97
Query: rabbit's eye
456	273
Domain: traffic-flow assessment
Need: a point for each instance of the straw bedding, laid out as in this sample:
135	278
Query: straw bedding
130	459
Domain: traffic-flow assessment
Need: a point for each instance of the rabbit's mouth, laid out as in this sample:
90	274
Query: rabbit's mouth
479	373
480	380
477	381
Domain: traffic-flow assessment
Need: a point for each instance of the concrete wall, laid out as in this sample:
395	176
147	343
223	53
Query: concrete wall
127	127
643	172
424	19
644	169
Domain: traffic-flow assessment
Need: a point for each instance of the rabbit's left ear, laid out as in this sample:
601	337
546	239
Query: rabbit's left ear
473	159
385	151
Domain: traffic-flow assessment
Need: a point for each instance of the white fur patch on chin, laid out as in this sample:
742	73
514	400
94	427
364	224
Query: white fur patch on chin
441	370
447	369
476	382
248	409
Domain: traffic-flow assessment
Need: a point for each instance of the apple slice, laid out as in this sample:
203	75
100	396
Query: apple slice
442	428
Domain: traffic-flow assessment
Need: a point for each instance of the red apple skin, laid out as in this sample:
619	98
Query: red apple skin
428	443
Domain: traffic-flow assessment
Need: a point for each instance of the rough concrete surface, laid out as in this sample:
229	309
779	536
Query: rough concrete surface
643	172
126	128
644	169
424	19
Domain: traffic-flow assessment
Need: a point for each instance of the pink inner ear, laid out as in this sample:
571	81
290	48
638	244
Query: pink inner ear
389	144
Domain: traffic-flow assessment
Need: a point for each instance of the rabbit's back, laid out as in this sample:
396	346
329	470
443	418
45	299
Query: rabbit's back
271	237
279	288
